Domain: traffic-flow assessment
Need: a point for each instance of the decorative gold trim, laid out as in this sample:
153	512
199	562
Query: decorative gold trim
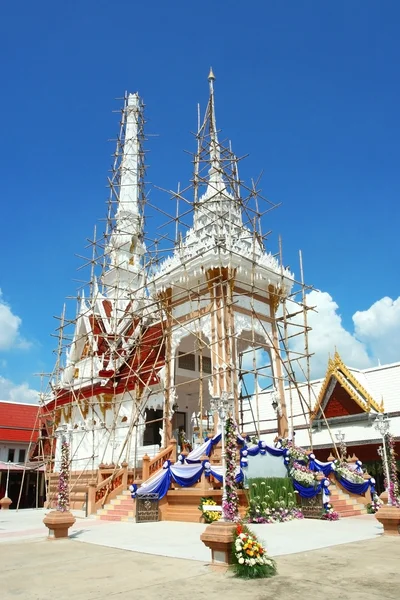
276	296
105	402
338	370
67	413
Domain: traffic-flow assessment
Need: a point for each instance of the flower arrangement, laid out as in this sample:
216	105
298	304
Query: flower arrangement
209	516
295	452
230	507
342	470
267	505
63	480
250	559
302	474
374	506
329	514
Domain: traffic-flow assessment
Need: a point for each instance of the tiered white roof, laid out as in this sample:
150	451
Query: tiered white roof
218	237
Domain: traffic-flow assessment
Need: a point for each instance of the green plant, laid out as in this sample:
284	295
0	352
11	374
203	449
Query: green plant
271	499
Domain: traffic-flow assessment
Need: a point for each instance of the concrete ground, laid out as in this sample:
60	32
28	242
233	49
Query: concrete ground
182	540
65	570
349	558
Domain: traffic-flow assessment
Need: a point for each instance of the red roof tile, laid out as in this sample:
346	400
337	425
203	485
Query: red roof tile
17	421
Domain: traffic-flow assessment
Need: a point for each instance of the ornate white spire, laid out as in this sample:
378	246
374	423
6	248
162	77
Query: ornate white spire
129	169
218	236
126	248
216	182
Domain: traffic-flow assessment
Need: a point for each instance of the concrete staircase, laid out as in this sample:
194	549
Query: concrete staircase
345	504
121	508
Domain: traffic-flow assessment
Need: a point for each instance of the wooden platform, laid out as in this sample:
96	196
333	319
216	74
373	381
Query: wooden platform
182	504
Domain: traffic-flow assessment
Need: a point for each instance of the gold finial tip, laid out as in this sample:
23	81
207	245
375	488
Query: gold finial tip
211	75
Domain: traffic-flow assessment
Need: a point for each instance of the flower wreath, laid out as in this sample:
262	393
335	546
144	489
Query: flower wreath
209	516
249	558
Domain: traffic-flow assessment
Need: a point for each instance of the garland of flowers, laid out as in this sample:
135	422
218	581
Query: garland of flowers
343	470
209	516
374	506
295	452
302	474
393	487
230	506
329	514
249	558
63	480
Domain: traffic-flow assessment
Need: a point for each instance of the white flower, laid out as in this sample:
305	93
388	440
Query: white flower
241	561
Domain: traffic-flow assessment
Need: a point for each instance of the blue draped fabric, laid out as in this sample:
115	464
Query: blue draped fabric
353	488
183	475
263	448
317	465
205	449
307	492
158	484
218	475
186	475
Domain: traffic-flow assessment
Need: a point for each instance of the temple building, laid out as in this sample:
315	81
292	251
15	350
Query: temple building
343	408
168	326
155	340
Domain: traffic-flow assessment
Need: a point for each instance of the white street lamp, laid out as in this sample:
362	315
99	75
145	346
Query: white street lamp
61	432
8	477
340	438
382	425
222	406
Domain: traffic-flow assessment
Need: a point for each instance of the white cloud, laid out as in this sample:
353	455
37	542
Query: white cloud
378	328
376	335
11	392
9	328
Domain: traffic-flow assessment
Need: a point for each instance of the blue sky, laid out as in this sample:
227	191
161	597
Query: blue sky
309	89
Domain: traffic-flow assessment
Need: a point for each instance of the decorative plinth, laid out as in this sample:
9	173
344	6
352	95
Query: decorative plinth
389	516
219	537
58	524
5	503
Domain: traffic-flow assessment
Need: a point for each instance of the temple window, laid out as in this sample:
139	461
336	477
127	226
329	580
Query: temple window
187	361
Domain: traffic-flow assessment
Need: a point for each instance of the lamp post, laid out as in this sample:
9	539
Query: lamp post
382	424
222	405
8	477
340	438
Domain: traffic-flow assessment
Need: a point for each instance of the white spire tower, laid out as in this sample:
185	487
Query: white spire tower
124	277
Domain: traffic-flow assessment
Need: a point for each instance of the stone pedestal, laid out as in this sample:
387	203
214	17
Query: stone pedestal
219	538
58	524
389	517
5	503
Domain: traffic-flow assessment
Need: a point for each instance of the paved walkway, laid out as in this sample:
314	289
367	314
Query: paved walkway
182	540
68	570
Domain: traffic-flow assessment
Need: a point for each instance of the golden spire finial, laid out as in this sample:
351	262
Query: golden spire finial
211	76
